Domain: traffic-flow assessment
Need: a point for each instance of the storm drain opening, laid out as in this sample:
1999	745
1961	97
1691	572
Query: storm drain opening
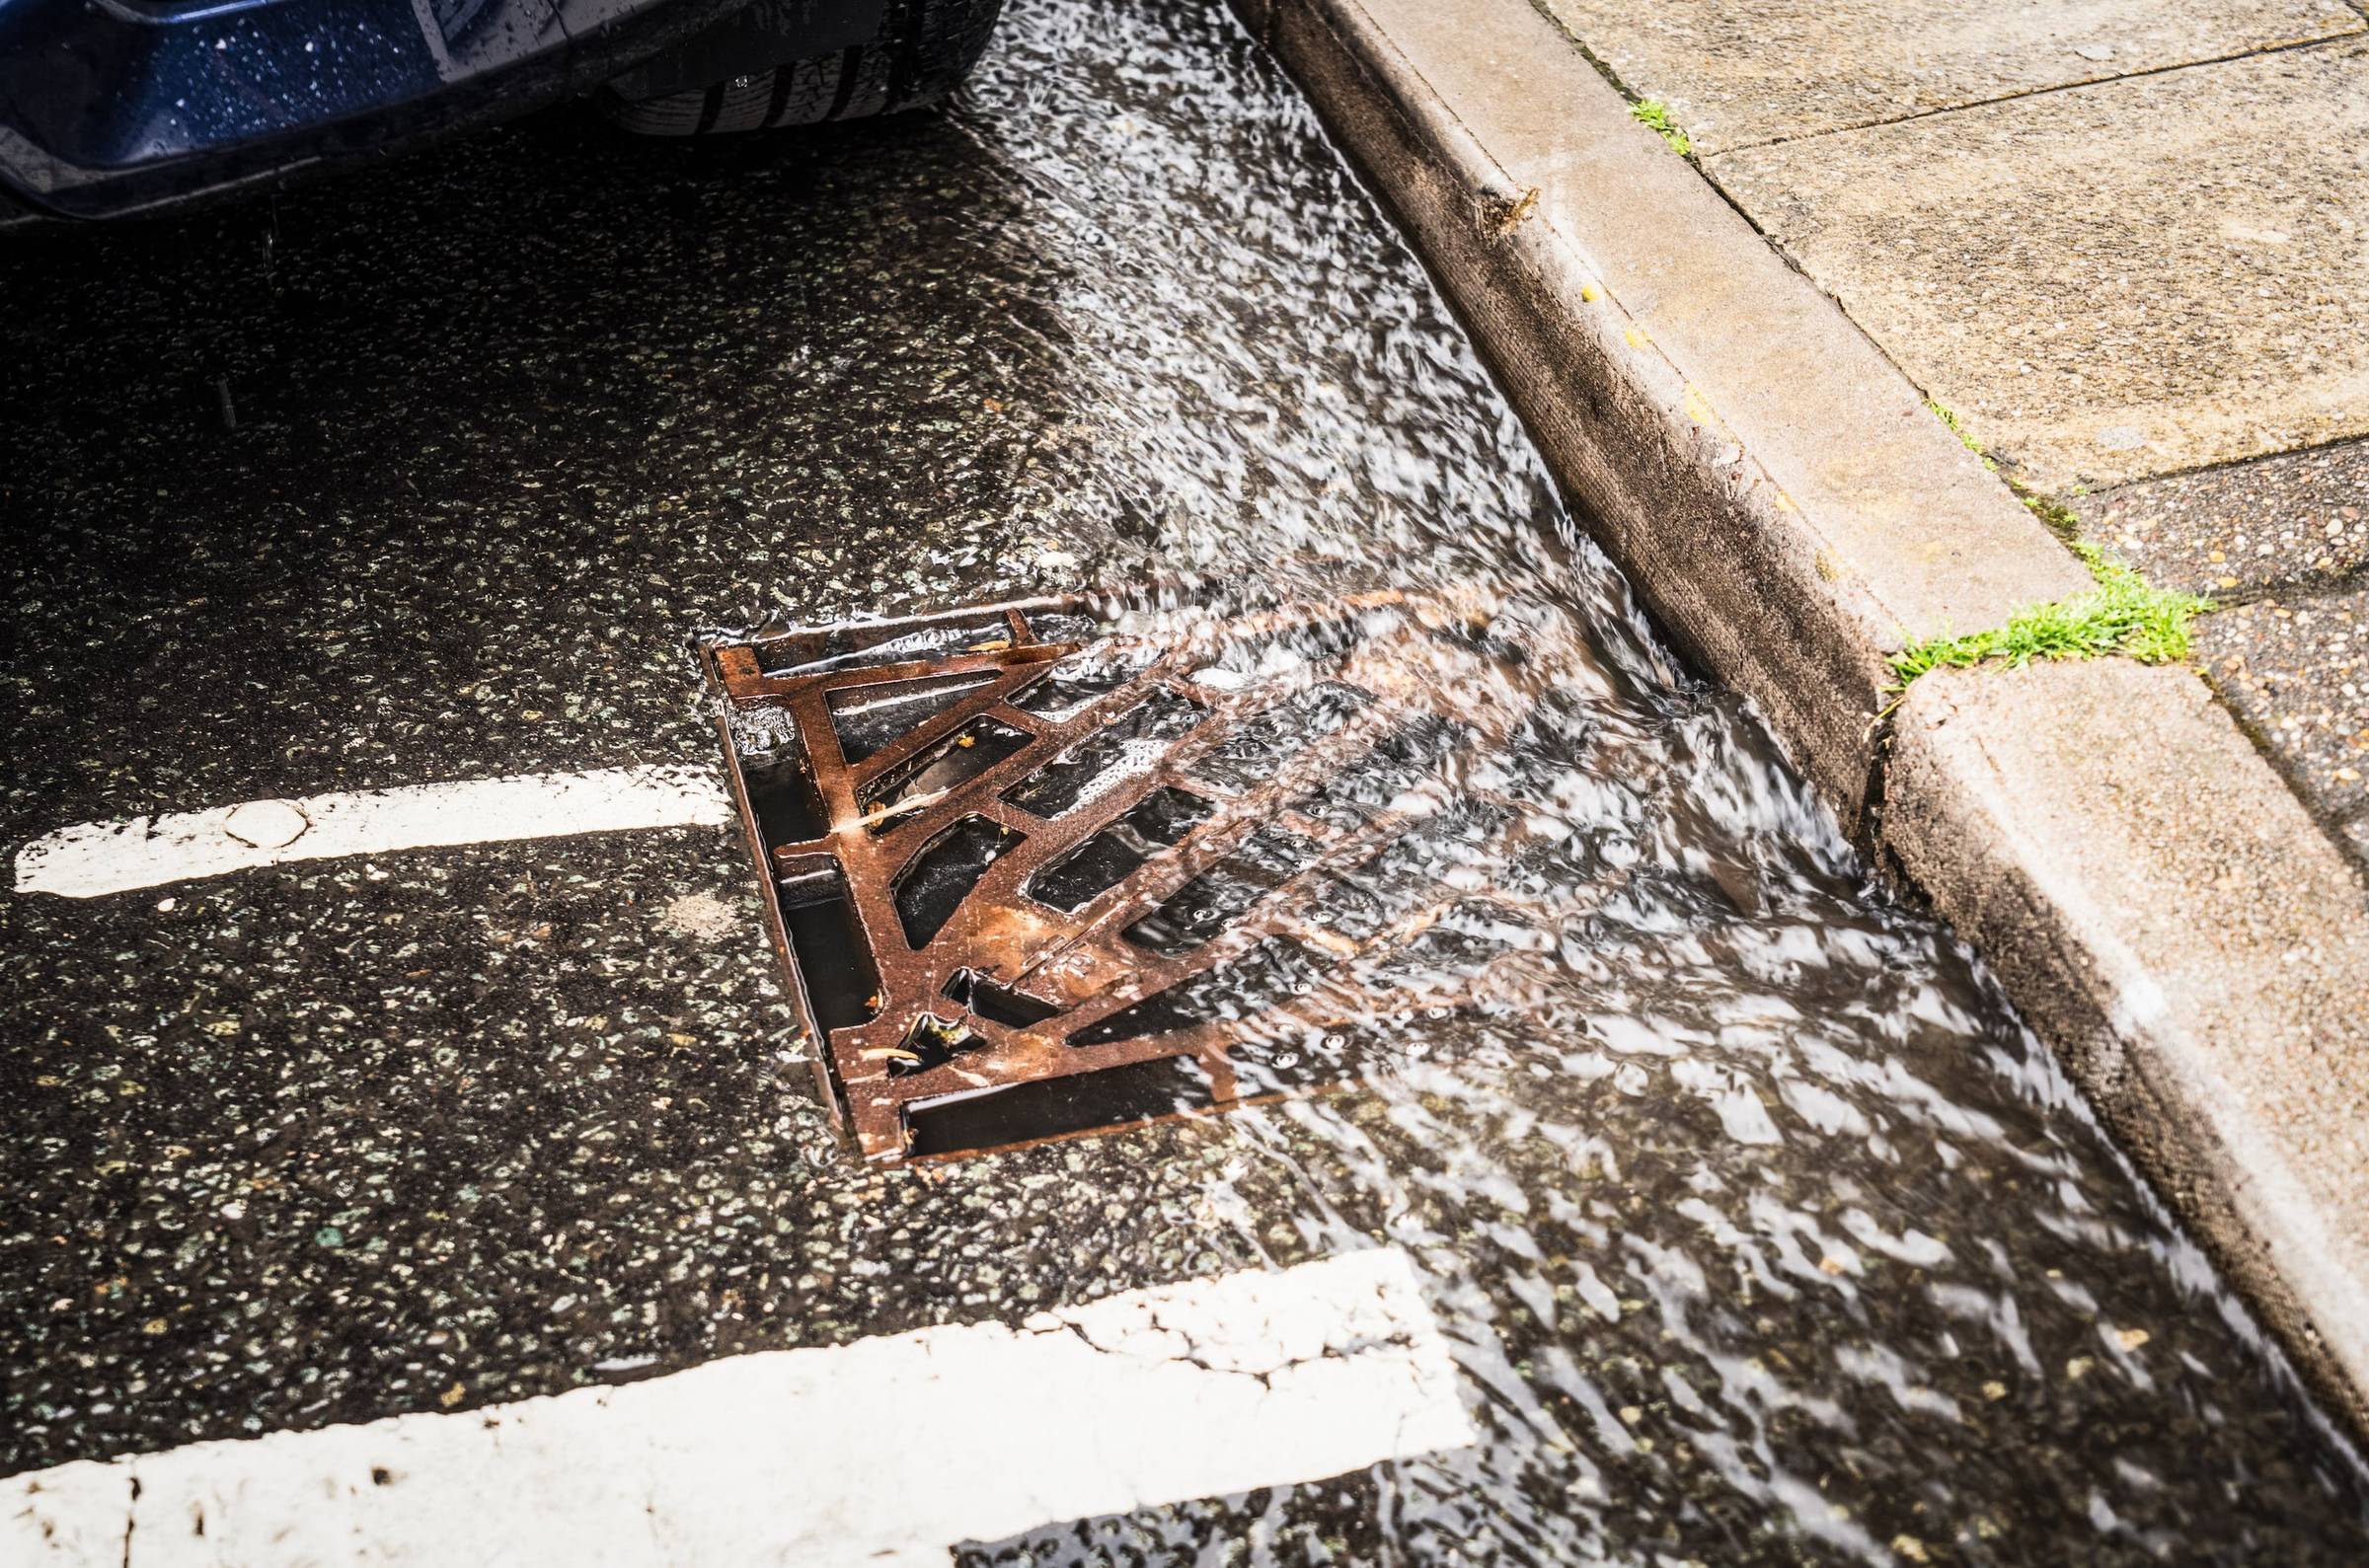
1056	867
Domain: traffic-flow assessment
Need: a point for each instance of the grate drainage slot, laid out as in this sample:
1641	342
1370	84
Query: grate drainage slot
1130	743
872	644
1062	1108
943	874
868	719
1224	893
1040	872
931	1042
1075	680
834	962
1161	820
926	777
1275	970
782	793
1014	1009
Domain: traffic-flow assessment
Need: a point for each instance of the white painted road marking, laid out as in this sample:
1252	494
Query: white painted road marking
887	1452
95	857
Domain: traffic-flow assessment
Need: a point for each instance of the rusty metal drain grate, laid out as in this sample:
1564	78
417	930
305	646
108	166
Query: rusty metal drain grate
1048	868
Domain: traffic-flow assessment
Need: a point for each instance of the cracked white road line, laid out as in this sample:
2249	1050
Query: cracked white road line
887	1452
95	858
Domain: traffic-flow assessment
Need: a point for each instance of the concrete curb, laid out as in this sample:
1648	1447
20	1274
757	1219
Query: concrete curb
1774	486
1781	497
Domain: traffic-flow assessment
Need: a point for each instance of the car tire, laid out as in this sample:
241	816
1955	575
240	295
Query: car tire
759	69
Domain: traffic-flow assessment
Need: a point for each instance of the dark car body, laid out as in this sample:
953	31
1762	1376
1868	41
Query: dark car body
115	106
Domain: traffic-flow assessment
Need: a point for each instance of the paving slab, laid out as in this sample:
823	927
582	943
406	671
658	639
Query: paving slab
2296	671
1736	75
2297	519
2113	282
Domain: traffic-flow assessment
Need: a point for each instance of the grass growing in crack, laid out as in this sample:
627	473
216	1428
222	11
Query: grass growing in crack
2121	614
2059	519
1655	115
1948	419
2056	515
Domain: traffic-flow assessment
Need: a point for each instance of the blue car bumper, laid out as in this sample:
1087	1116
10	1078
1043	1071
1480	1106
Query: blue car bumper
114	106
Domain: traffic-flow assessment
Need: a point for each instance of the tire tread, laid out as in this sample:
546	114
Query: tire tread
925	49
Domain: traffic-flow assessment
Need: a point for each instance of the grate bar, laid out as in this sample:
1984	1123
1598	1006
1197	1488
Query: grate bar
1216	812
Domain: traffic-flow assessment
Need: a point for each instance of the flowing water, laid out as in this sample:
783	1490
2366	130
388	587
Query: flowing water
1764	1231
1761	1230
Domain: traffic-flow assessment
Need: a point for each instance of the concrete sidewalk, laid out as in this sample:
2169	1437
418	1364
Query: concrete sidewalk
2128	245
2125	250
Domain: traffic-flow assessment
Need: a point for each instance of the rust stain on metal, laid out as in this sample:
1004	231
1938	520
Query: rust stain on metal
1025	845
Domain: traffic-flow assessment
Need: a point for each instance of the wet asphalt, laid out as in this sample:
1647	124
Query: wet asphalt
440	471
511	424
515	420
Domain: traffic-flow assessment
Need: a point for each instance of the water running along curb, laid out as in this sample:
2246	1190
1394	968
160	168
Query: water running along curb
2155	901
1680	379
2169	917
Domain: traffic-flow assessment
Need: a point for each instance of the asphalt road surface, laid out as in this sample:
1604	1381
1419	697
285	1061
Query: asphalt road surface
438	474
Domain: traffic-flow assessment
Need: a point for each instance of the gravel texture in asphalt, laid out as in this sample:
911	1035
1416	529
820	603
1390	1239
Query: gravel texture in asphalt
2283	544
2295	668
2297	521
1772	1238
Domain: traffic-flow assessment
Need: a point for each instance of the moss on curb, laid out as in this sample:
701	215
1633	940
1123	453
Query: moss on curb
1654	114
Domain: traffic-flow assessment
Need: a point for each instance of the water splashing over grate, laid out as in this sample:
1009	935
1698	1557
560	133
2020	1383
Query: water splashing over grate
1066	839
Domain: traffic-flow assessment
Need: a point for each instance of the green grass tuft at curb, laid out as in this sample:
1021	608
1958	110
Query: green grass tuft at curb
2123	614
1654	114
